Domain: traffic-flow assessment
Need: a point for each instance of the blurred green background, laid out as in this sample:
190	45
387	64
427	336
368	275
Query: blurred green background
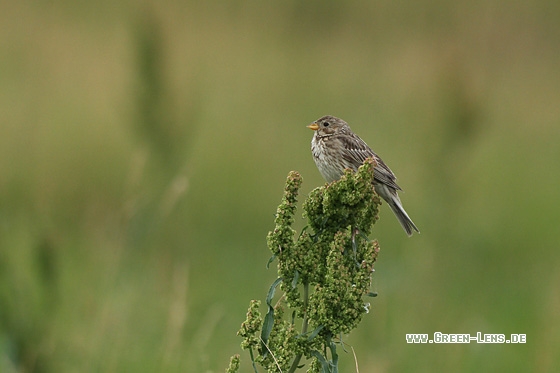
144	148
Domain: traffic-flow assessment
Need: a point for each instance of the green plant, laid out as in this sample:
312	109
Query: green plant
324	274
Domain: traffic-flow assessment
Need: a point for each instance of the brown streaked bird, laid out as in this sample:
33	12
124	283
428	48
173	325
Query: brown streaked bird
335	147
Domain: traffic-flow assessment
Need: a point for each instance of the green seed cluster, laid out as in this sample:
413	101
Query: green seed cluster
234	364
336	258
251	327
337	302
331	263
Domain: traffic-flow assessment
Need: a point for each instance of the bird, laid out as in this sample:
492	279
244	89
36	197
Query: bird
335	148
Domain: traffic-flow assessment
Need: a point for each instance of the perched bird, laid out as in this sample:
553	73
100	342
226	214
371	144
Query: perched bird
335	147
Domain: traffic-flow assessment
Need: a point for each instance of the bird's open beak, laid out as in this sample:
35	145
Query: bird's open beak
314	126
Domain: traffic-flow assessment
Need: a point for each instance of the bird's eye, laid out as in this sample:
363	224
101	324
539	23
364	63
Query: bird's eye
326	124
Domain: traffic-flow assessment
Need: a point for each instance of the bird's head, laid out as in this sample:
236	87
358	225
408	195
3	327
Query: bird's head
328	126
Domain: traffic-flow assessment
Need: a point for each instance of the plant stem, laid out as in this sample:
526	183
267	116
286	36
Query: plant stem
304	325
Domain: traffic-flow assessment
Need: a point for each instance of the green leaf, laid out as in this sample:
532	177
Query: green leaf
253	360
270	261
315	332
271	291
363	235
295	280
303	231
334	355
325	365
268	322
342	342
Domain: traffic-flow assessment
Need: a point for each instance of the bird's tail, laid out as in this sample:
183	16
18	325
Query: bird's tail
395	203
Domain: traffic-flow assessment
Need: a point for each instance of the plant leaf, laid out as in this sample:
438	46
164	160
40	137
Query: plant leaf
270	261
325	365
315	332
295	280
268	321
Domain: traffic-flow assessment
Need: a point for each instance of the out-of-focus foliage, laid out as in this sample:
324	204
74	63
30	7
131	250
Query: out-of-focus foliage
144	145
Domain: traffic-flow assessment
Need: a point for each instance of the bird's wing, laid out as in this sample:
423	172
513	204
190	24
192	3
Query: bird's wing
383	174
356	151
